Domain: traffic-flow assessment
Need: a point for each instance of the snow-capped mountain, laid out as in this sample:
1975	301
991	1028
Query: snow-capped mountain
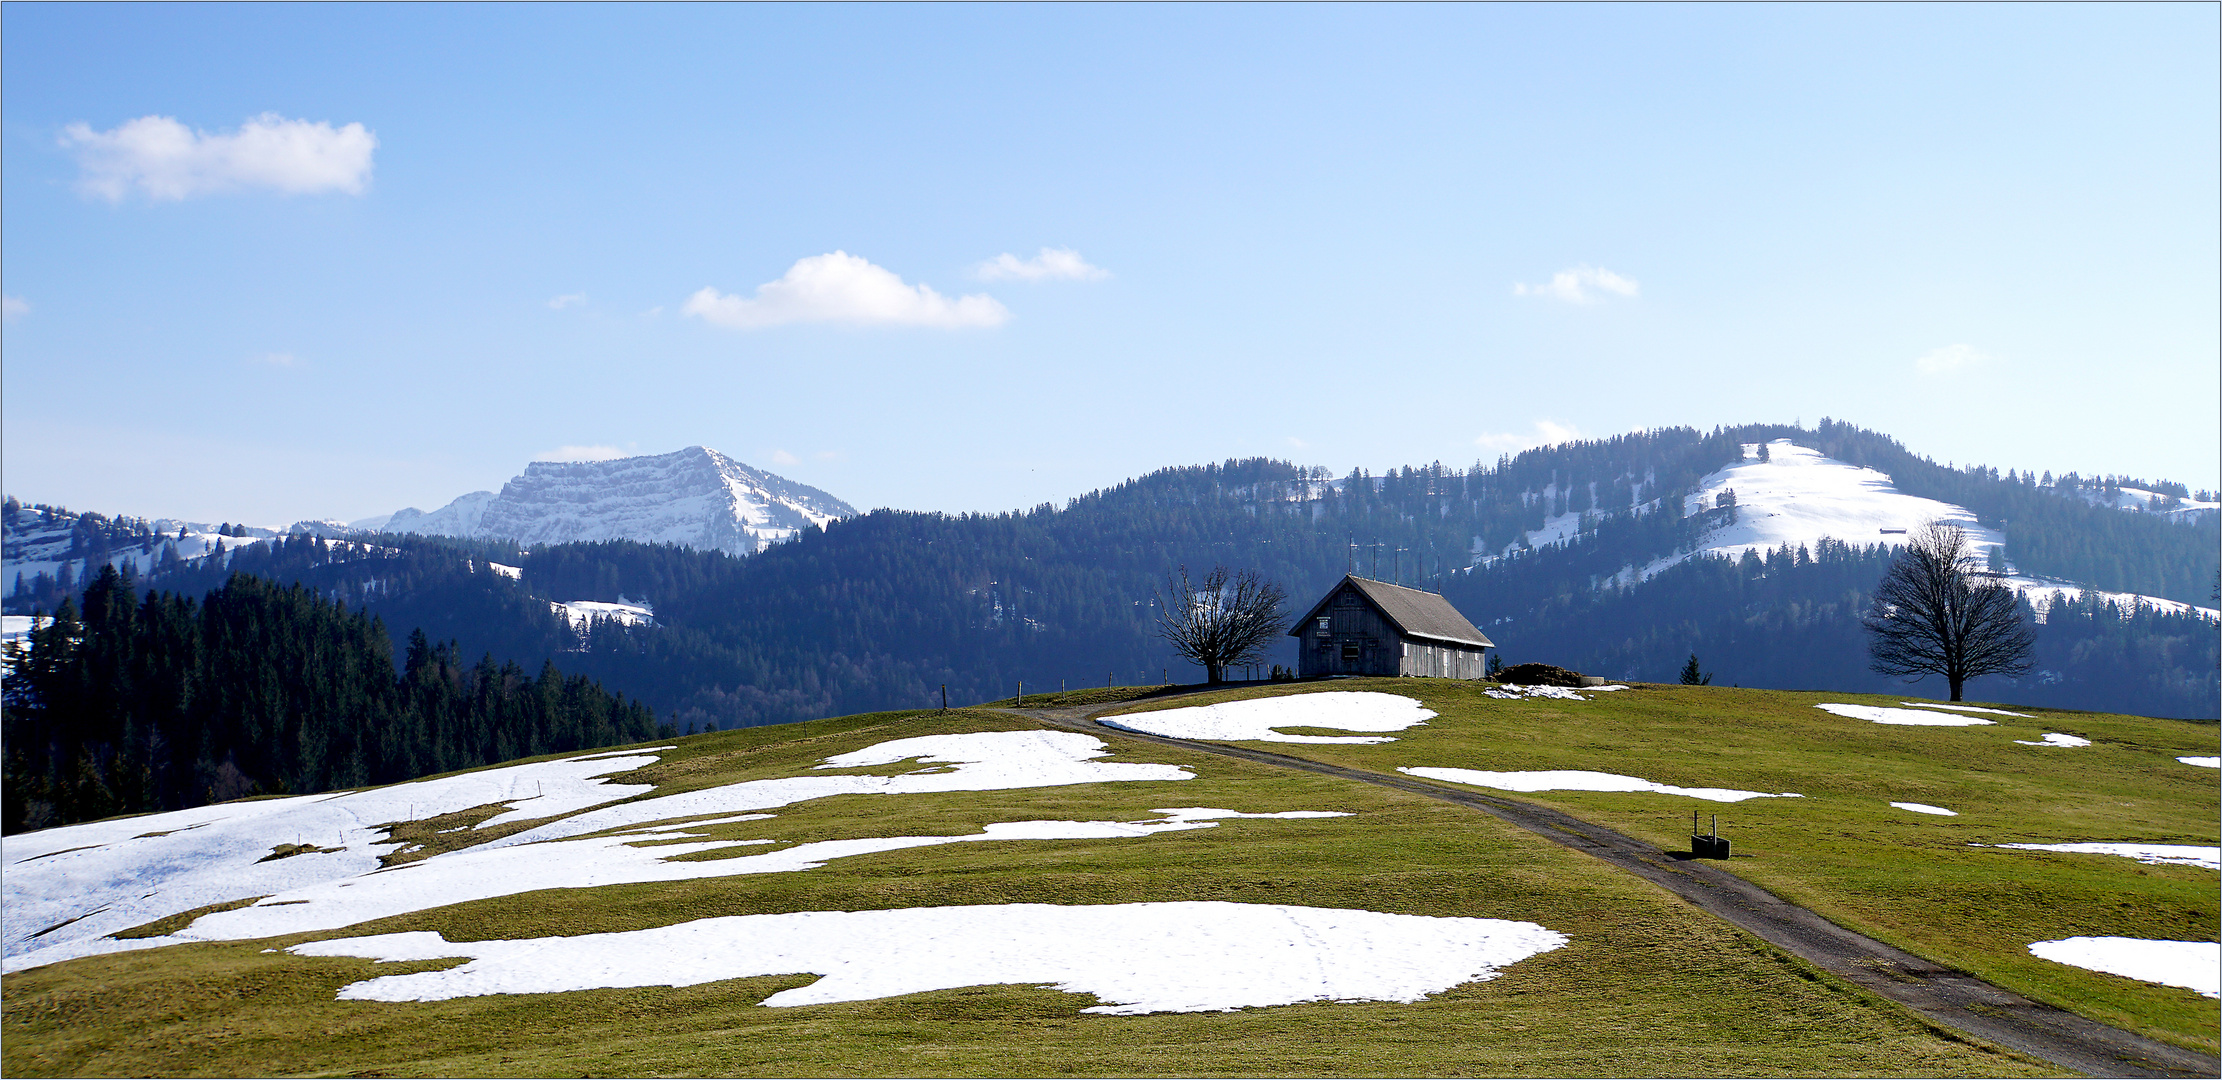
696	497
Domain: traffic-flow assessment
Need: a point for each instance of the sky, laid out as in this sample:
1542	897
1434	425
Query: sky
269	263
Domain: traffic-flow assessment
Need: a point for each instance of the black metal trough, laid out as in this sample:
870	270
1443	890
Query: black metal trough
1707	847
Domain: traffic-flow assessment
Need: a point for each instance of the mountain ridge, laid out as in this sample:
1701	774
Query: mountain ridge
696	497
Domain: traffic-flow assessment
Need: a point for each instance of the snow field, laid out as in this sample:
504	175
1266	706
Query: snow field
2203	762
1254	720
122	878
1193	956
978	761
1903	717
2191	965
1925	808
2149	854
580	612
2054	738
114	875
1573	780
481	873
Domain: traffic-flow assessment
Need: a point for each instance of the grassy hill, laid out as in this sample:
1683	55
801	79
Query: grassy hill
1916	880
1642	985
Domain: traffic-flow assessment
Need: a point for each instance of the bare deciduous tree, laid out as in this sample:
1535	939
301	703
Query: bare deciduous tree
1222	621
1935	615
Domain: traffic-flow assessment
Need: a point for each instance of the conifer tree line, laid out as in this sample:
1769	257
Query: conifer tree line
133	704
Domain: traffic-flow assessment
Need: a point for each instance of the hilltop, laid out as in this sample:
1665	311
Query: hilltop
1033	899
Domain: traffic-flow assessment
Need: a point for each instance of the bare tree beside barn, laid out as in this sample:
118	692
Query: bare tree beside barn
1223	621
1934	614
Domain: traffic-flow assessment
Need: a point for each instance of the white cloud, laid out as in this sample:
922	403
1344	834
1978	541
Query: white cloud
1951	359
782	457
1053	264
13	308
567	300
165	159
1581	285
582	453
841	287
1546	433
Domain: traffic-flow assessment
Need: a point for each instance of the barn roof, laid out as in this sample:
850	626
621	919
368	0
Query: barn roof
1414	613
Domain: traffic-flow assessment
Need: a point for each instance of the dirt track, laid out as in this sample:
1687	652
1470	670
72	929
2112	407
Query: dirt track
1949	998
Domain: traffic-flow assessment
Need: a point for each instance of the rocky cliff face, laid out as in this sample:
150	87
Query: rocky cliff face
697	497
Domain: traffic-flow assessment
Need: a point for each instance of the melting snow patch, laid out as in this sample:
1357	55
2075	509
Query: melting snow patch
481	873
978	761
2192	965
1563	693
1907	717
2149	854
1567	780
114	875
1925	808
1255	719
63	907
1192	956
2203	762
1964	708
2054	738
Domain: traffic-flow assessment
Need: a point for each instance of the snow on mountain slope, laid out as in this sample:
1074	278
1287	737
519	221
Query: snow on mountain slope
697	497
1798	496
458	518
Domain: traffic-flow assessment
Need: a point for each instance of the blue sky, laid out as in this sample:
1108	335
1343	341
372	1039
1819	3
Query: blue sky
271	263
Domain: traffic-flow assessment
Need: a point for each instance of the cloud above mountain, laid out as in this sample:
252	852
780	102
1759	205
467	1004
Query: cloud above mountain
842	288
164	160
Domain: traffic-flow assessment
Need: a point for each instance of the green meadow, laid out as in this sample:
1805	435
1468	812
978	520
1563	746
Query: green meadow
1917	881
1646	986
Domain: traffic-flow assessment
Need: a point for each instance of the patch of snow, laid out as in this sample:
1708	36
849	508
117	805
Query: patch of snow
1965	708
130	871
1800	496
480	873
1184	956
2054	738
1925	808
2190	965
978	761
1562	693
1903	717
1254	720
2149	854
1573	780
2203	762
19	627
581	612
514	573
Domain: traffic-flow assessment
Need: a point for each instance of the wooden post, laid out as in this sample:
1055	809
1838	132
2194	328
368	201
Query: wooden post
944	697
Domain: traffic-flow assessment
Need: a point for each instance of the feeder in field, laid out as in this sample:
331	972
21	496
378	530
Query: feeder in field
1703	846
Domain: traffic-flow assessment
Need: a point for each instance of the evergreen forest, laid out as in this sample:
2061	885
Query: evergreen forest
131	704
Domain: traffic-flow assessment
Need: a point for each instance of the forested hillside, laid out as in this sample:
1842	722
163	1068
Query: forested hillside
885	609
133	705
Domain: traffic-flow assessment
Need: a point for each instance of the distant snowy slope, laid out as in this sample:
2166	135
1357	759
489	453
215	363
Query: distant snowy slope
696	497
1798	496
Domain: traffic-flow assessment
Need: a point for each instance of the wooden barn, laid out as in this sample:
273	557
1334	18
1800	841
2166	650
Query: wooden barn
1367	627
